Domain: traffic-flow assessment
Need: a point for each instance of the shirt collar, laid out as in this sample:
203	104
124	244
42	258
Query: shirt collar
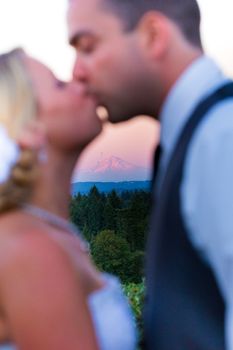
199	80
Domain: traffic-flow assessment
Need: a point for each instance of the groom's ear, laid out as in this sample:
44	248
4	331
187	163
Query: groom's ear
154	29
33	136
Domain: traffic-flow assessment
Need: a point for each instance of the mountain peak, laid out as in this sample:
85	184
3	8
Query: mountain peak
113	169
112	163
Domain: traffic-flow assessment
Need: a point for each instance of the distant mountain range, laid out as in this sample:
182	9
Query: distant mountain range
112	169
84	187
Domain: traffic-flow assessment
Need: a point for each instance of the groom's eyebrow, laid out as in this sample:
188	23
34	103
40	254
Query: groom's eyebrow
76	37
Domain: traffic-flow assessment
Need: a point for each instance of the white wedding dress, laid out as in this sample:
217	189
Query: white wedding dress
112	318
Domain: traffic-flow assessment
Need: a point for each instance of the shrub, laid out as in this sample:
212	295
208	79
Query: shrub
135	294
111	253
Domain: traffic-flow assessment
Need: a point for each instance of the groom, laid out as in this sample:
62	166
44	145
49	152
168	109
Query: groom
145	57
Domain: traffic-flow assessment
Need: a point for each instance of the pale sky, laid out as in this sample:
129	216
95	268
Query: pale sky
39	26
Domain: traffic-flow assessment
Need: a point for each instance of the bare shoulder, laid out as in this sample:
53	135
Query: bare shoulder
23	245
39	287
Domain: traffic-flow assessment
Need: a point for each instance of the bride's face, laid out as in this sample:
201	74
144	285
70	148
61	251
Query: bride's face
66	111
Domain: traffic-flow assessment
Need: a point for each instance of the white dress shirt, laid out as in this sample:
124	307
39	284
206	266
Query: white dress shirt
207	186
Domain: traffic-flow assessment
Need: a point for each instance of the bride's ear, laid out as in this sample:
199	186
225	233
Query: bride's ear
33	136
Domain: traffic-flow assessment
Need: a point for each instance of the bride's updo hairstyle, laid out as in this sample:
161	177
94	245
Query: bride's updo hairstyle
17	108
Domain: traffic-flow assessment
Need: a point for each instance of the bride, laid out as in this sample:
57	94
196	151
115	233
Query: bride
51	295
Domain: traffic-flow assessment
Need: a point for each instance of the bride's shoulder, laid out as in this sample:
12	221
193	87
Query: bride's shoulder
23	244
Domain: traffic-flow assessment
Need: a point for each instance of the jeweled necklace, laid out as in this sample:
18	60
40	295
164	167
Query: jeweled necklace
56	221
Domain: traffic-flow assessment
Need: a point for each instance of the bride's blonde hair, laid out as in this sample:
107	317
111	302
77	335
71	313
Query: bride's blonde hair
18	106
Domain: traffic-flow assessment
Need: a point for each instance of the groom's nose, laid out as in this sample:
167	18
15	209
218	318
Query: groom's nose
80	72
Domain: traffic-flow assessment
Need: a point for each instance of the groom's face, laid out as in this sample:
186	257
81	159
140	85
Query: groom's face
110	61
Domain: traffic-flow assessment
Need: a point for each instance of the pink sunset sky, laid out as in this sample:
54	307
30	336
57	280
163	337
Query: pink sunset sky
133	141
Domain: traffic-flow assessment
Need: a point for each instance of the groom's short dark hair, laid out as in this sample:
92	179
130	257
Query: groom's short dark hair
185	13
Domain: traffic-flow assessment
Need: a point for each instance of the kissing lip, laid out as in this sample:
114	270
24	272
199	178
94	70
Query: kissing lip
93	94
85	91
100	105
99	102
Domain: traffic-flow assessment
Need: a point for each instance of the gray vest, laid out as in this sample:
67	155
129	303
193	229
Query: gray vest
184	309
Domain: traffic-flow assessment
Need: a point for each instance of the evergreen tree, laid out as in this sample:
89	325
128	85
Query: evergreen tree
114	200
109	216
136	220
95	211
116	226
78	210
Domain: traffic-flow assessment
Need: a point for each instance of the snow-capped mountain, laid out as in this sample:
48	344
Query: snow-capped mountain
113	163
113	169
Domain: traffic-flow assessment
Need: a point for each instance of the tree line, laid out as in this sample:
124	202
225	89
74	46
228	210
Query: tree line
115	224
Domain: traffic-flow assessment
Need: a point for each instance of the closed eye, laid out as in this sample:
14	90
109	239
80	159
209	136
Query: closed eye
60	84
84	42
